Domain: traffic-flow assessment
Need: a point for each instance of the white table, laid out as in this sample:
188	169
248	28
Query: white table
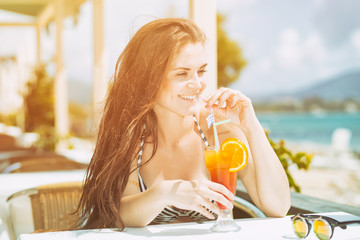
14	182
251	228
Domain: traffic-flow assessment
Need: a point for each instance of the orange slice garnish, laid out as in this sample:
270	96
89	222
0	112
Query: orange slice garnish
239	152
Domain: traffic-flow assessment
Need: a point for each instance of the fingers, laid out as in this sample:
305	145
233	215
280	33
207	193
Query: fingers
218	193
222	195
224	97
205	207
196	195
221	189
215	97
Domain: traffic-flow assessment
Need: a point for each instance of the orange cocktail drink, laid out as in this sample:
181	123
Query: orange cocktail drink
218	163
223	164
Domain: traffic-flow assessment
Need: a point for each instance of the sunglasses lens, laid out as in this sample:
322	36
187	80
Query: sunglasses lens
300	227
322	229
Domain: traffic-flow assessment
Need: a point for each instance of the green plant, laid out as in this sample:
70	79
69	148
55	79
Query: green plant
302	160
230	61
10	119
39	100
47	140
39	108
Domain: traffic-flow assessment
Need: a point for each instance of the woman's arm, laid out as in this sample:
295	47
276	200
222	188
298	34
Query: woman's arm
139	209
270	190
264	177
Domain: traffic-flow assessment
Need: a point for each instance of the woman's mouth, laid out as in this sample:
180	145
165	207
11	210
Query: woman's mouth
189	97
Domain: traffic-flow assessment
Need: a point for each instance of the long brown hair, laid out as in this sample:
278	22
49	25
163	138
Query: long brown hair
137	80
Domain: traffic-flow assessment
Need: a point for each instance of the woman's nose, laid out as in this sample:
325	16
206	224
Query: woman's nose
195	82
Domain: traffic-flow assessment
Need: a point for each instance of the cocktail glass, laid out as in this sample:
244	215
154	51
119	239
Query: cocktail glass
218	164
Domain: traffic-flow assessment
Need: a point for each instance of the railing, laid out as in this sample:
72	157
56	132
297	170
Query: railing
300	204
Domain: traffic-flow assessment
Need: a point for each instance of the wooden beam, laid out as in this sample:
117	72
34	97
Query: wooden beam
71	6
60	86
22	2
46	15
17	24
100	83
38	44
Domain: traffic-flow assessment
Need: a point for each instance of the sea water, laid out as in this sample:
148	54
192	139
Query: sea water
309	127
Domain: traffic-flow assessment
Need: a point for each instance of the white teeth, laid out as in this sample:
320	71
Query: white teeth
188	97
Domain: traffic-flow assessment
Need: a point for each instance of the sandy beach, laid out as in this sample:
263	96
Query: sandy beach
333	175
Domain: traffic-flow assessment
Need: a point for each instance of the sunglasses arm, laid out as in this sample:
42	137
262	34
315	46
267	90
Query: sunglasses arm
344	224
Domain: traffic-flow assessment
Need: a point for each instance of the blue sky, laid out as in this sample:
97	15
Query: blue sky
292	44
288	44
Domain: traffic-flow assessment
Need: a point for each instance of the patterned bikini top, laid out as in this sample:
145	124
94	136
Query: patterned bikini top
171	213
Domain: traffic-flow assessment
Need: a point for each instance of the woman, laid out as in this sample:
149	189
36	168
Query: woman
148	164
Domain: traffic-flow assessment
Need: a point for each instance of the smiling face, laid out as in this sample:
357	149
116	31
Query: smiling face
184	81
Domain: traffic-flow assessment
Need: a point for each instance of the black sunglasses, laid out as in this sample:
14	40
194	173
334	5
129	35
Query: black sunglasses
323	226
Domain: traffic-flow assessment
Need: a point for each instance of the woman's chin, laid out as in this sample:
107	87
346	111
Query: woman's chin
193	110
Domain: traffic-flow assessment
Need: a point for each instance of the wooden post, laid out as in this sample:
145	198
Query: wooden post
205	18
43	19
100	83
61	97
38	44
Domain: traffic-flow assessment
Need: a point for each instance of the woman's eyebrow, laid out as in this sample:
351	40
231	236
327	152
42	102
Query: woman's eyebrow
204	65
188	69
181	68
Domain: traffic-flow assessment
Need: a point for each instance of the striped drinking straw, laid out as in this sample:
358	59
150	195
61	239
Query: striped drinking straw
211	121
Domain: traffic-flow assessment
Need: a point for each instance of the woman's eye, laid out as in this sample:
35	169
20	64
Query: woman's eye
201	72
181	74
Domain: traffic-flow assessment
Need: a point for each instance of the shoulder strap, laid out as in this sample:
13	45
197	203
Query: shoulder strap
142	186
201	132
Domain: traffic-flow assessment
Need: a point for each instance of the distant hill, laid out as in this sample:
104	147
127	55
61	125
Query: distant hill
337	88
79	92
340	87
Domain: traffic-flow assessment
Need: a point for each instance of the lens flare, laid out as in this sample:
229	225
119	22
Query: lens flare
322	229
300	227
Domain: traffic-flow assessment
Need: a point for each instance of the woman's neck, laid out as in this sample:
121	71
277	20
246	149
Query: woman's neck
173	127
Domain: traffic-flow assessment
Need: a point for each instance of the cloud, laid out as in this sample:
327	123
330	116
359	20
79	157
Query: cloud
265	65
314	48
336	20
294	53
319	2
355	39
289	52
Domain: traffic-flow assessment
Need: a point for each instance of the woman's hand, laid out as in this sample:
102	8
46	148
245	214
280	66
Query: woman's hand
234	105
197	195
